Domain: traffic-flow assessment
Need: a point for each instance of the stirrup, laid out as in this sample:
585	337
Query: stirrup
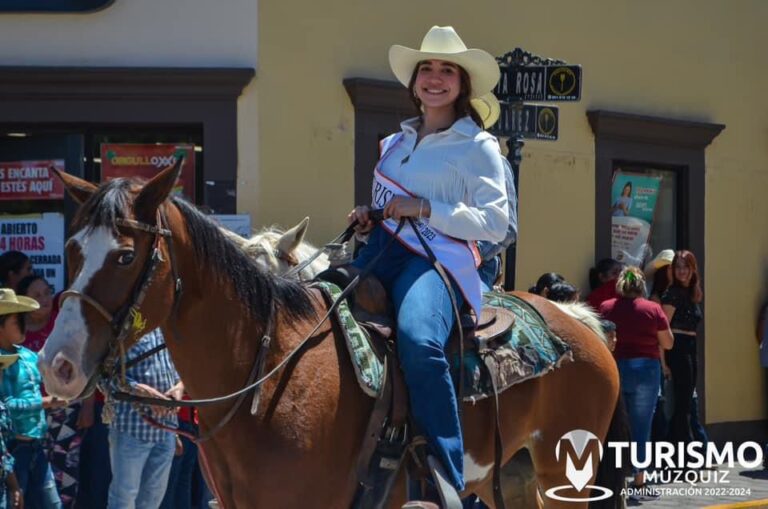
448	495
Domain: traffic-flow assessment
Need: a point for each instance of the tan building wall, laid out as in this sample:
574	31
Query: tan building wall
690	60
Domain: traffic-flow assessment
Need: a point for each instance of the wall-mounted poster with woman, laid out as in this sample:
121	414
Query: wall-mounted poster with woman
633	202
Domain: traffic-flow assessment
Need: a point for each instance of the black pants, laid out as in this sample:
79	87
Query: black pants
682	362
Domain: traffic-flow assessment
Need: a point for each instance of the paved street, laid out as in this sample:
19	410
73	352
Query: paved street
747	488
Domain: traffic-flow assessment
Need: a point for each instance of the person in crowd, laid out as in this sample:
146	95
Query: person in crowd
66	425
681	303
641	329
95	470
609	329
563	292
545	282
454	187
14	266
179	490
490	252
140	453
11	496
20	392
602	281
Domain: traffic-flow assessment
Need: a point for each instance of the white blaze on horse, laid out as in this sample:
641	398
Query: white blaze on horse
301	447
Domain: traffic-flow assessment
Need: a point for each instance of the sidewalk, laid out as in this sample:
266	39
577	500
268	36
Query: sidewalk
746	488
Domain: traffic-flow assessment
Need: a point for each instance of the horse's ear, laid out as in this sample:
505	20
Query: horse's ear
156	191
291	239
80	190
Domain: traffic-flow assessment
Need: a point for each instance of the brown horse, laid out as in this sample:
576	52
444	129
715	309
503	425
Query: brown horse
300	448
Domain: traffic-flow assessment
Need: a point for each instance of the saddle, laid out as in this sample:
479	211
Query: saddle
510	344
387	440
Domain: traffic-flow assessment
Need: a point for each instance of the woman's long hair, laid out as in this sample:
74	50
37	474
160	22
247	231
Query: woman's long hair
694	286
461	107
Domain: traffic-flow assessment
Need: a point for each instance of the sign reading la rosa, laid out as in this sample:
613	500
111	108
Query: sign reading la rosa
31	180
41	237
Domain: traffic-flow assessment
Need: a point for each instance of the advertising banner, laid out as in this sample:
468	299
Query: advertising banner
41	237
633	202
146	161
31	180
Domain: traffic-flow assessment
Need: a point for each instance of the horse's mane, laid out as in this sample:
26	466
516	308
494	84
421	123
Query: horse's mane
584	313
215	252
256	288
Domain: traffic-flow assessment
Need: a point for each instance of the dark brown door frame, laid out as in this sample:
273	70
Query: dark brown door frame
678	144
204	97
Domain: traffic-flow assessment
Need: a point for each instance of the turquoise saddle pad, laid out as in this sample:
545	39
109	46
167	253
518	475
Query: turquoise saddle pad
526	351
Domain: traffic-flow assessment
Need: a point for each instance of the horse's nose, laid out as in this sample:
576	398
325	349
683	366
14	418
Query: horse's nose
63	369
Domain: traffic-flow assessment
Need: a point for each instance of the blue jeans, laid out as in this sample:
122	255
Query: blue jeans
640	382
33	471
424	321
179	491
139	470
95	471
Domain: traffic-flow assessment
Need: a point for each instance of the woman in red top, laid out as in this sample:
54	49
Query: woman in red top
65	425
602	281
641	328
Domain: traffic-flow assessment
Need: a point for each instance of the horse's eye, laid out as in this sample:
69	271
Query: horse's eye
126	258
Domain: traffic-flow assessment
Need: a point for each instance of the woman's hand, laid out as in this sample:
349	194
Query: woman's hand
50	403
364	223
402	206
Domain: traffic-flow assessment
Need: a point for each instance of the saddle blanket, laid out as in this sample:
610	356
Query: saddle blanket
528	350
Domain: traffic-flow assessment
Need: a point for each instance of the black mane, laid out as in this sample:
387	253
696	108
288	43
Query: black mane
256	288
217	254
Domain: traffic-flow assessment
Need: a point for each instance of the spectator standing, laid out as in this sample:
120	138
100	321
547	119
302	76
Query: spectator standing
545	282
141	454
20	391
65	425
10	493
14	266
641	328
681	304
602	281
563	292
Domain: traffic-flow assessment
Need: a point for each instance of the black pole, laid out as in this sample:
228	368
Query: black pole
515	145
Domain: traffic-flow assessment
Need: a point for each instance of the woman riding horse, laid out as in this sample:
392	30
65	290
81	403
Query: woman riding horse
445	171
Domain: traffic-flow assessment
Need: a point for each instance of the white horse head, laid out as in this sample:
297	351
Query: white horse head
277	251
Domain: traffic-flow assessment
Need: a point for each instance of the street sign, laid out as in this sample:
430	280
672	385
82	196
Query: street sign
539	83
531	121
53	5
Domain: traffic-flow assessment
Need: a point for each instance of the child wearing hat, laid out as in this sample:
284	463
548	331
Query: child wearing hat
10	493
20	393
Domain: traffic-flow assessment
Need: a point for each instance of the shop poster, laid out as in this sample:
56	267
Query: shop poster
633	203
31	180
147	160
41	237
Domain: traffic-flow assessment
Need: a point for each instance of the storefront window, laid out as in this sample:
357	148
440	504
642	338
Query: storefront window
644	217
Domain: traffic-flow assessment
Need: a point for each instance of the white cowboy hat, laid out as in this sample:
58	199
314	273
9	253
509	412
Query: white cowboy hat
488	108
443	43
663	258
11	303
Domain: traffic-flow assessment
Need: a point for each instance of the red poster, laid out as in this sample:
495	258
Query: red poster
146	160
31	180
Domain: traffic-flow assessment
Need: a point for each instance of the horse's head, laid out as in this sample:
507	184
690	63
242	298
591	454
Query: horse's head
278	252
119	235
